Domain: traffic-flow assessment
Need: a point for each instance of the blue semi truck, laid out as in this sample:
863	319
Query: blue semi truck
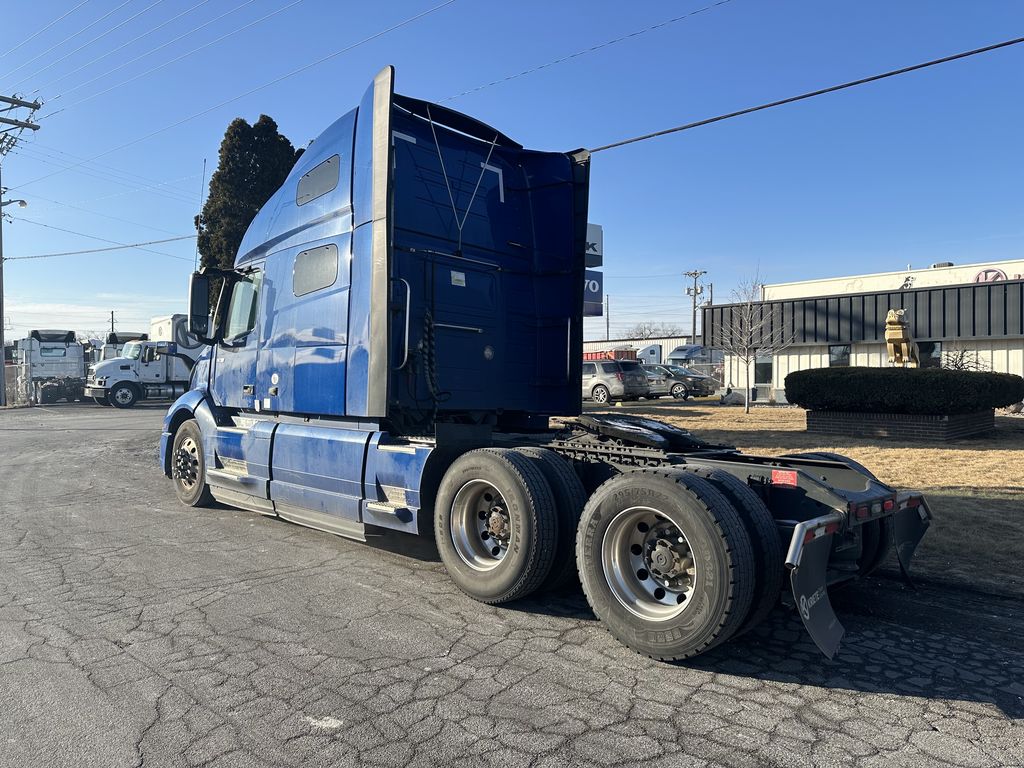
403	322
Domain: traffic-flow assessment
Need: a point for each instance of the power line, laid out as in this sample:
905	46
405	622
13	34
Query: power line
170	195
133	178
168	63
90	25
121	47
812	94
94	237
101	215
275	81
585	51
151	51
86	45
100	250
36	34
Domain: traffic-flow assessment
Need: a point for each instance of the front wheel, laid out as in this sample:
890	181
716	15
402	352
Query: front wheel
679	392
666	562
188	466
123	395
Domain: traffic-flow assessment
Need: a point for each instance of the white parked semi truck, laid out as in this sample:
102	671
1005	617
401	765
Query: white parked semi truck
156	366
51	366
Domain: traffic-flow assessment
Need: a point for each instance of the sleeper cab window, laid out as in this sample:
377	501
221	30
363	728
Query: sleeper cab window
315	269
318	180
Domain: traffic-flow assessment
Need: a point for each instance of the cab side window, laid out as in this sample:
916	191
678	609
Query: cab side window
243	306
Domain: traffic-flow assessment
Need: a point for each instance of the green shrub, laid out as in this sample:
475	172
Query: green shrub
902	390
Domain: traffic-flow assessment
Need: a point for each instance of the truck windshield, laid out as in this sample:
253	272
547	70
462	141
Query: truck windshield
132	351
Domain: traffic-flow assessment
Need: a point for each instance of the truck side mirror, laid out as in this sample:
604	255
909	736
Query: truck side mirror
199	307
148	354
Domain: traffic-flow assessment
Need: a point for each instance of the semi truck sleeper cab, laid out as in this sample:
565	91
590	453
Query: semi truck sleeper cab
403	320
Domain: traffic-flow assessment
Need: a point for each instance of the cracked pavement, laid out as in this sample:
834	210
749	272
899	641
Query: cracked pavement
135	631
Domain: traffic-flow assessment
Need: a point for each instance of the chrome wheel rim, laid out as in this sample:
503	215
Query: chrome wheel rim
678	390
186	463
601	395
648	564
481	527
123	396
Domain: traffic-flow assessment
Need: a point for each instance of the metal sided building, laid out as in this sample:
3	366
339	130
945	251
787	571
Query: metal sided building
975	312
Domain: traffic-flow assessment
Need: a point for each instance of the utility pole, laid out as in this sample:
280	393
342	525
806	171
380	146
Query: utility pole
111	321
607	318
10	130
694	292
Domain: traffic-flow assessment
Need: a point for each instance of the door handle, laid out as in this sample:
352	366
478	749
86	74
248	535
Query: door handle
248	389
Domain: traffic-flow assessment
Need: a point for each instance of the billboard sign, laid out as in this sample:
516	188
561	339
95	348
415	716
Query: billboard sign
595	245
593	294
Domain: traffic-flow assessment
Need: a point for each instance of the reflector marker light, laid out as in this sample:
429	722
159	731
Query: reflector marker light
784	477
817	533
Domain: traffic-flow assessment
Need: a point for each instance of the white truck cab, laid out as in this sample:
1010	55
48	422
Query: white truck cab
157	368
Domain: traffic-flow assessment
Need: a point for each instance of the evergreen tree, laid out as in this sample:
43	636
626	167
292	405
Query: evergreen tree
254	161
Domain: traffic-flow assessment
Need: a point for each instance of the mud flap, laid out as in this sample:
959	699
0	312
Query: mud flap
908	528
810	594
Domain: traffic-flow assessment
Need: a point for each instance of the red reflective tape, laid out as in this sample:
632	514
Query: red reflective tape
784	477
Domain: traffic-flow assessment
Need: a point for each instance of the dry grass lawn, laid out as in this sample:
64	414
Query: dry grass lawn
975	487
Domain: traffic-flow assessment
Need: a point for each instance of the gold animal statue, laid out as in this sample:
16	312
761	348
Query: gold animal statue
902	349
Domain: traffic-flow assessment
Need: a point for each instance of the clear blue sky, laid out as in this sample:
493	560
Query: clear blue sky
917	169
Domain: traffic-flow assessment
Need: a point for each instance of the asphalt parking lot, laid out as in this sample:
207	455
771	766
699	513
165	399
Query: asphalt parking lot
135	631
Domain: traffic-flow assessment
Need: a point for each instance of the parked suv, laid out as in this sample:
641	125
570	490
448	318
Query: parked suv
679	382
607	380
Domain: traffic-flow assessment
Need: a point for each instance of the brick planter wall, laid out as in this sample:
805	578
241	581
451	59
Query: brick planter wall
901	425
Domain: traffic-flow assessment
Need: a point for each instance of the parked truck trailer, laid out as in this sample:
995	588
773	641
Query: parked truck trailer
403	320
51	366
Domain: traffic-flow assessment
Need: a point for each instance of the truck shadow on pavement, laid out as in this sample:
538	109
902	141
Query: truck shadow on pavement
899	642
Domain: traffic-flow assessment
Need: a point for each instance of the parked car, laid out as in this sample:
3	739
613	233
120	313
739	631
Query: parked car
678	381
608	380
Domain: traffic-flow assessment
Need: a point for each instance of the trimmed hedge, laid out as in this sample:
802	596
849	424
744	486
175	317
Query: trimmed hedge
902	390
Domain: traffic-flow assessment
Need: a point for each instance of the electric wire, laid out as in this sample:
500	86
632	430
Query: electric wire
811	94
169	194
101	215
251	91
129	176
121	47
100	250
94	237
114	28
185	55
90	25
586	51
37	33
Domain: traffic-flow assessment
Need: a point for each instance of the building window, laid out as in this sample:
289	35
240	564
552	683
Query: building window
930	353
763	369
839	355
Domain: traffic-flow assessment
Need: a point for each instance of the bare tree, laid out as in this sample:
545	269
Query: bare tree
751	328
960	359
648	330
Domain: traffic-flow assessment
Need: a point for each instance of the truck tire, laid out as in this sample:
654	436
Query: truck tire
570	497
102	400
769	568
495	525
600	394
188	466
666	562
124	394
876	535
